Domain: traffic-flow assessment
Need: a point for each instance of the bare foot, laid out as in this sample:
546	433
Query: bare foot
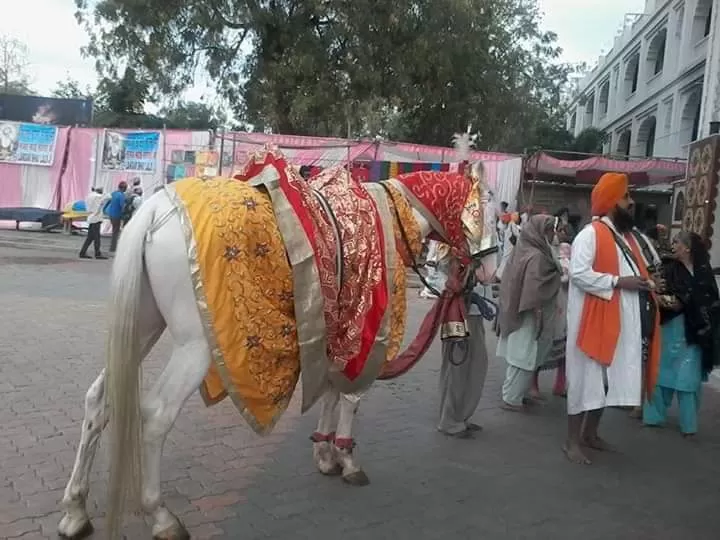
596	443
512	408
575	454
464	434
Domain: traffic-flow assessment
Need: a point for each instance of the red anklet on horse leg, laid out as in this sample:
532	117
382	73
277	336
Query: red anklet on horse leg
322	437
345	443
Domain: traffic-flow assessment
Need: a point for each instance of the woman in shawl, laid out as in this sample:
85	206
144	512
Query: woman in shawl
690	315
562	248
528	300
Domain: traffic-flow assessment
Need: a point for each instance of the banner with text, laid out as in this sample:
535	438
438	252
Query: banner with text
27	144
135	151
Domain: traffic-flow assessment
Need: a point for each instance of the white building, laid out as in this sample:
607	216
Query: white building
646	93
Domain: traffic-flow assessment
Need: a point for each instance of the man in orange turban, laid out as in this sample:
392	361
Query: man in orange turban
605	343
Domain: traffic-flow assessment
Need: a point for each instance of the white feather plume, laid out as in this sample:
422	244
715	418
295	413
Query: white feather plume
463	143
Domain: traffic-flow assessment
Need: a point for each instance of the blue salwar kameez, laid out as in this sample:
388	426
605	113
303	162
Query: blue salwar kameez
680	374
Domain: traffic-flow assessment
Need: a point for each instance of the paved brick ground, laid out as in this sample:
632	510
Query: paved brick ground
512	482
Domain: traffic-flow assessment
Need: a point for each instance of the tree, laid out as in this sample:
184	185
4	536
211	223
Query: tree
590	141
71	89
13	67
192	115
406	69
121	102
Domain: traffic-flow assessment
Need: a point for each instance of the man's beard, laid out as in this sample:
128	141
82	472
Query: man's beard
624	220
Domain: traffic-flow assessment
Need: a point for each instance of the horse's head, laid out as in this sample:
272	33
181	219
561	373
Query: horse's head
457	207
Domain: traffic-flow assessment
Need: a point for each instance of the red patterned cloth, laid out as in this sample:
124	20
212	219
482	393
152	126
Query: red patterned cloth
354	308
445	195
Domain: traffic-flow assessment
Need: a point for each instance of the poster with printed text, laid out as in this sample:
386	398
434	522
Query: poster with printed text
130	151
27	144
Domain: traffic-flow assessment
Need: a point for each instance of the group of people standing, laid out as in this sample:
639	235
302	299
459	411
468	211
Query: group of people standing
118	206
624	323
637	328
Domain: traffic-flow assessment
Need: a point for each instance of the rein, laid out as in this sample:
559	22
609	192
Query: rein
403	234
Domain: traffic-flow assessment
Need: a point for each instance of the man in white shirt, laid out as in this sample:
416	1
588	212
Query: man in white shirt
606	342
95	202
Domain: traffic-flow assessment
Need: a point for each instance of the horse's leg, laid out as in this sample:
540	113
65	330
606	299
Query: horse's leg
179	380
324	436
75	523
184	373
344	442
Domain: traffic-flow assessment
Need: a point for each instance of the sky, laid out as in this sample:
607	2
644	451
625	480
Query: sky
54	39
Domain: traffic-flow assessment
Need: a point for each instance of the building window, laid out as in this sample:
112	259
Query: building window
656	53
623	146
668	116
604	98
631	75
573	122
589	111
690	120
646	136
696	124
708	22
702	20
616	76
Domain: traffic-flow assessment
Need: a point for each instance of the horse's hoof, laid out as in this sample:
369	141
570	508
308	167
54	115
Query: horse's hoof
357	478
84	531
177	532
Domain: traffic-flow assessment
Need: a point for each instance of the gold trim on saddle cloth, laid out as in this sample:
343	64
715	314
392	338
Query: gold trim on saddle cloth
229	233
399	285
309	314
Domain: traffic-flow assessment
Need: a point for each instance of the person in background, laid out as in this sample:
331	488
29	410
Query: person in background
133	200
562	249
528	301
462	382
690	316
650	223
114	211
94	204
137	199
501	225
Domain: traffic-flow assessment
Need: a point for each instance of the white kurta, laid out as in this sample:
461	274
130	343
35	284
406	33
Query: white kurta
586	377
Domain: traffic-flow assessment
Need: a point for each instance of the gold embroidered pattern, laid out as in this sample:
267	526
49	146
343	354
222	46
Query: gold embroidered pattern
398	317
244	291
243	286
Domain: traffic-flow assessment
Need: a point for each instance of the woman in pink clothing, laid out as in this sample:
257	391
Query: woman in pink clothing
557	358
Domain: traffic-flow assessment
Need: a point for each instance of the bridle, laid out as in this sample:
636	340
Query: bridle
475	260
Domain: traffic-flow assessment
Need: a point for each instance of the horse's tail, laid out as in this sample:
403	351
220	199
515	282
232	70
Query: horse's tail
123	368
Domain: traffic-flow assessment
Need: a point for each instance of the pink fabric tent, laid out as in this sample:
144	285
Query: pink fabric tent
657	171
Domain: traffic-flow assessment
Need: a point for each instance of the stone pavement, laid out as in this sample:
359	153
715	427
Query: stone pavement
512	482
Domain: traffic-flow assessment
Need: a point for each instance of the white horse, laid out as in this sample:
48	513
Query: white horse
151	291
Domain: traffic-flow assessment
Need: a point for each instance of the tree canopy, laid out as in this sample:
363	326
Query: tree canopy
418	70
70	88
